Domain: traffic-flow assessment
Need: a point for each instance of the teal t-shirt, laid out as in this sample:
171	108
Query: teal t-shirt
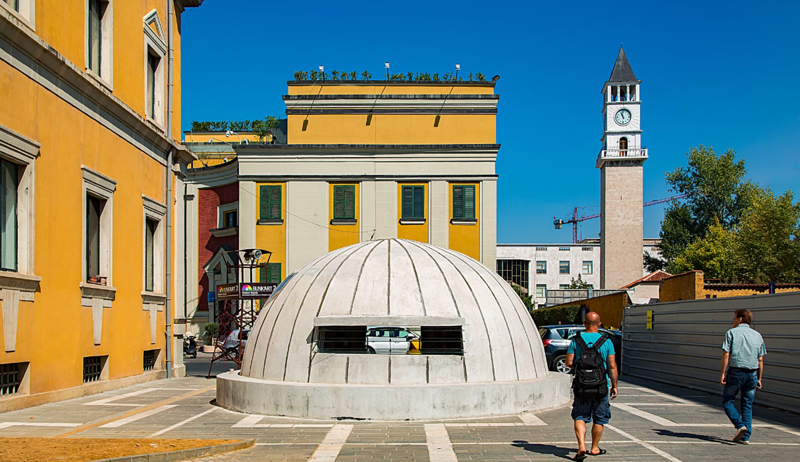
606	349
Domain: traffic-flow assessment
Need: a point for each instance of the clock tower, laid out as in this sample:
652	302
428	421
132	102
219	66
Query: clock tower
621	162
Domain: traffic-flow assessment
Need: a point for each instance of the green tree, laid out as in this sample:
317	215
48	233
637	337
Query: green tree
713	254
527	300
766	244
579	283
263	128
716	189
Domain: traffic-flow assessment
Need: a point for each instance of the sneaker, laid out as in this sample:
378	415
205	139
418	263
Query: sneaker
744	442
739	435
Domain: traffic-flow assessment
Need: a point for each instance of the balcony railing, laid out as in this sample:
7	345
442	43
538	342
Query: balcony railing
620	154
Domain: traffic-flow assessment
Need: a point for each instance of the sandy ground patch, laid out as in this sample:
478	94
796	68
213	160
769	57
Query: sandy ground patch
86	449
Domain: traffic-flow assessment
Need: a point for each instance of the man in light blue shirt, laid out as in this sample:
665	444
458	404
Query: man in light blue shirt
742	369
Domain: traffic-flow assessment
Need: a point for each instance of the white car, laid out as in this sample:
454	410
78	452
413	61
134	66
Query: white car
389	340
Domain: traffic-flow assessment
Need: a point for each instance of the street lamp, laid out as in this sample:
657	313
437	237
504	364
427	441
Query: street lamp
231	132
386	64
458	68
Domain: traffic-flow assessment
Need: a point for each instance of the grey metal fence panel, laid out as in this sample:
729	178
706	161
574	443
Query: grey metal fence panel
684	346
561	296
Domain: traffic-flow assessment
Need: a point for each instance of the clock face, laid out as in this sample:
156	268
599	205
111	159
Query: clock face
623	117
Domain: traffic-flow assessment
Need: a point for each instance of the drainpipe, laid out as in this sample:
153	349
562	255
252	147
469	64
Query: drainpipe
168	306
170	69
185	258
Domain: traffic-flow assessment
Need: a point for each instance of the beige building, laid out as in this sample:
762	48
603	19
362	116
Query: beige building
621	167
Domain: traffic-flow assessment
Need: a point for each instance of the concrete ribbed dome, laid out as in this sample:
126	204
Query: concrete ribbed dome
395	282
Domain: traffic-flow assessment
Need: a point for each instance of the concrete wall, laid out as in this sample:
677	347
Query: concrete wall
684	346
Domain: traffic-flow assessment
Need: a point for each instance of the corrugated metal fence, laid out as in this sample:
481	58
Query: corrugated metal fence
684	345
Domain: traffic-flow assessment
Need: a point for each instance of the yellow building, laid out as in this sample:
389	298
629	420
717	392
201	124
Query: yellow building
362	160
89	170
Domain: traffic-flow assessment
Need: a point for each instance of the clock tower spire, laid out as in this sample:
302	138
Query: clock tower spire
621	163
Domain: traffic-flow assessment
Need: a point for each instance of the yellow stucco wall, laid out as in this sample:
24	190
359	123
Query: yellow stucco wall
62	24
609	307
272	237
392	129
465	238
412	232
344	234
55	331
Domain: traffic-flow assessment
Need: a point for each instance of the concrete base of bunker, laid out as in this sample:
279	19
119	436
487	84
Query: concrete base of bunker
390	402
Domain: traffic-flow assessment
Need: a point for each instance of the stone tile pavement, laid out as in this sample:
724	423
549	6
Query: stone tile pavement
650	422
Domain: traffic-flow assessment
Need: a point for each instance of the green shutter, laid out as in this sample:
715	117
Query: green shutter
344	202
262	274
338	202
458	202
350	201
419	202
274	272
469	202
408	202
270	202
275	202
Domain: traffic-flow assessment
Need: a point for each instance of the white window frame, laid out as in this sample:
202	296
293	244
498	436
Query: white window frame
222	209
22	151
106	76
103	187
26	13
156	211
155	43
591	267
541	286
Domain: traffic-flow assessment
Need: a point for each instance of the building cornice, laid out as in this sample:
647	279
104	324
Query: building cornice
368	148
391	83
25	51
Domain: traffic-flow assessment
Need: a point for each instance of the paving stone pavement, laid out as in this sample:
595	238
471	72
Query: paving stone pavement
650	422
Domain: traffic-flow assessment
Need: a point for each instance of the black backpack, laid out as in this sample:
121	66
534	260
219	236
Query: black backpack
590	383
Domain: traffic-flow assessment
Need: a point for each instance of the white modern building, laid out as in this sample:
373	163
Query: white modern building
538	268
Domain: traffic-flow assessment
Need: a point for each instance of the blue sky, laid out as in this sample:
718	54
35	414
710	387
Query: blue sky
721	73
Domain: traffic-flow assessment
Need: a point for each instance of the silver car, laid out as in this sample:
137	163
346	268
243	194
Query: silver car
389	340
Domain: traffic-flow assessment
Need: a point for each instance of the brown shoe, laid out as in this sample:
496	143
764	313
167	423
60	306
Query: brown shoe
739	434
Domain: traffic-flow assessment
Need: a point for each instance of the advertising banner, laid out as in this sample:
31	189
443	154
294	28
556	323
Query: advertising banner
228	291
257	289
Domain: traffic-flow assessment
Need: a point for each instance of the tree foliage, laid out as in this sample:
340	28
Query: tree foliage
716	189
527	300
713	255
766	243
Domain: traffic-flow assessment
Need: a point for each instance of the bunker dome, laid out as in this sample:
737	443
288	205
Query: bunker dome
467	345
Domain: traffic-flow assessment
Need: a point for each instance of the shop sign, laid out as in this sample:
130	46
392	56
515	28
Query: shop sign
228	291
257	289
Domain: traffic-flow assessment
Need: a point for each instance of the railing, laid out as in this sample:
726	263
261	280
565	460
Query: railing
632	153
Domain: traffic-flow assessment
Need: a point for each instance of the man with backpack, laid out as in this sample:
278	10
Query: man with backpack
592	357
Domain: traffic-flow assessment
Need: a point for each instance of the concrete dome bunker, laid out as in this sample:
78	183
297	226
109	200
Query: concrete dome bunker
393	282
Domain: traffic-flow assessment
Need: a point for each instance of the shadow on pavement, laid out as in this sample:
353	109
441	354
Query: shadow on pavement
693	436
564	453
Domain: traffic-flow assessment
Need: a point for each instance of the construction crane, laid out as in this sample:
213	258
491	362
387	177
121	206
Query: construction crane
576	219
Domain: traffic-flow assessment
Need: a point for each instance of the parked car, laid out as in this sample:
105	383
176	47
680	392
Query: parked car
389	340
556	340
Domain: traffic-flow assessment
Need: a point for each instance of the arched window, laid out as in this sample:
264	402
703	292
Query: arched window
623	147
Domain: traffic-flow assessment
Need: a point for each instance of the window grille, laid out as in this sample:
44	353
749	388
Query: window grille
149	362
441	340
344	339
586	249
514	271
92	367
541	248
9	379
563	249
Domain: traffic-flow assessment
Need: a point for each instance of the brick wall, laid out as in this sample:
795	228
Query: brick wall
208	201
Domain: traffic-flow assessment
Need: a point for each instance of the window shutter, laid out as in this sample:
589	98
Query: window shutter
262	274
338	202
408	209
458	202
274	272
275	202
419	202
264	193
350	201
469	202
